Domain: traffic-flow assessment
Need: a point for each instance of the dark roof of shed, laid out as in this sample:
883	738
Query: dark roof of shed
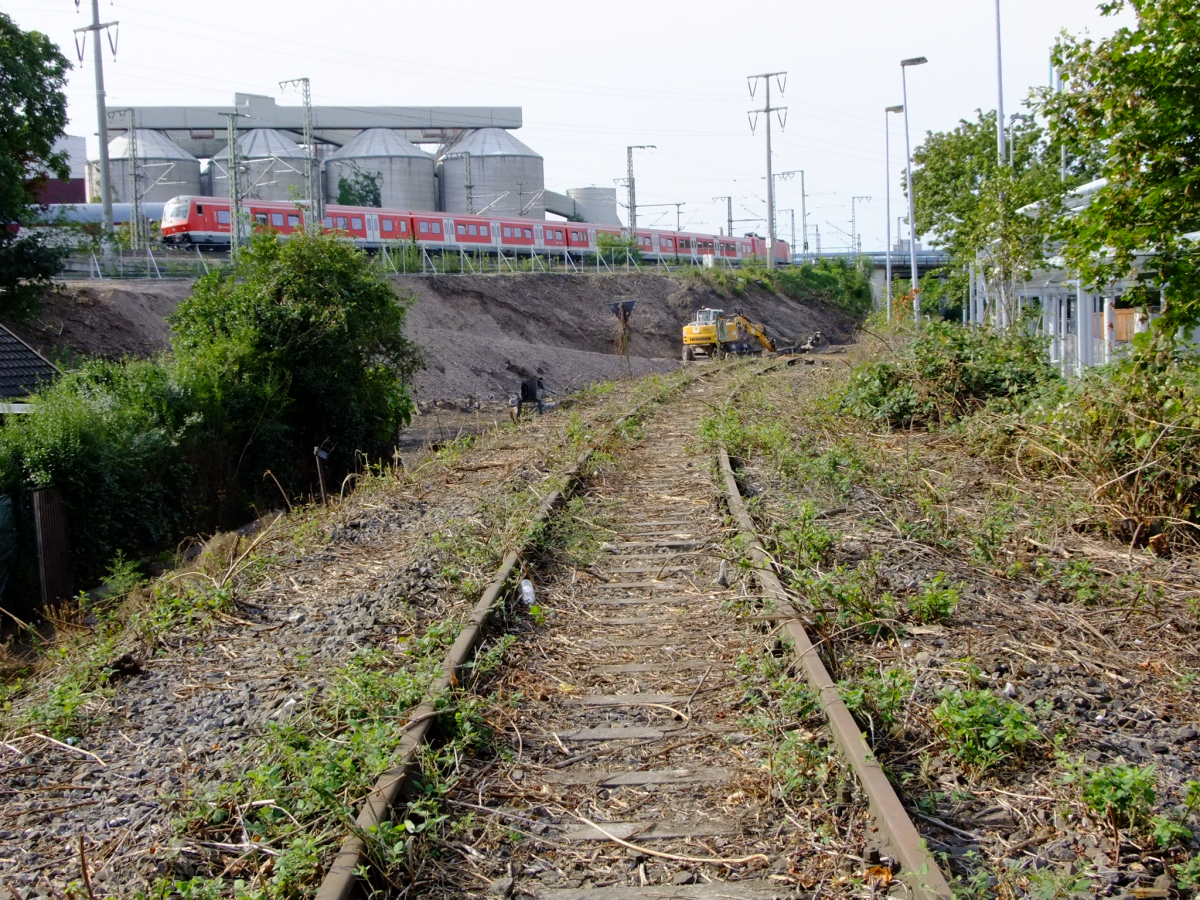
23	370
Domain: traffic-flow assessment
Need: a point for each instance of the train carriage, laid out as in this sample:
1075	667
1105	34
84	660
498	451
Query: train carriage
206	221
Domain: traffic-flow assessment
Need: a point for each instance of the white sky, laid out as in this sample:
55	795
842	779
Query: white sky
593	78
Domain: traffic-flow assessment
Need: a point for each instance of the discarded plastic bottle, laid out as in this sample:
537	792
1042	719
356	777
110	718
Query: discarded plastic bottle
527	595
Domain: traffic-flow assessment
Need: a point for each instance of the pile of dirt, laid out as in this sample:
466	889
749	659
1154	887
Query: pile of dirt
482	334
110	319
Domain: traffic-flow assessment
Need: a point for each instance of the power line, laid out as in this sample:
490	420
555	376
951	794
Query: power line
101	112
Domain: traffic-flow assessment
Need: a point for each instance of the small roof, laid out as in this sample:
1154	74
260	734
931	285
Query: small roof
23	371
378	142
263	143
490	142
150	145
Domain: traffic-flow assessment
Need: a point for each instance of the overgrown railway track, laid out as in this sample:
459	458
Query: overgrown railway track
638	752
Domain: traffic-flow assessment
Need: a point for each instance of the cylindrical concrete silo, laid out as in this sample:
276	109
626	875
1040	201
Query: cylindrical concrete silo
164	169
596	204
506	177
273	167
403	172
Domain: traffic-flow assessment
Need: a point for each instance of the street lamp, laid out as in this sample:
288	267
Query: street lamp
887	153
912	217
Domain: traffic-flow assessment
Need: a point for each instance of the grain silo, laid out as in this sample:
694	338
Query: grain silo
489	169
273	167
403	172
164	169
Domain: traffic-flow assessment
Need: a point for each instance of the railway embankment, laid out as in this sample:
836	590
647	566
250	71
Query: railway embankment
482	334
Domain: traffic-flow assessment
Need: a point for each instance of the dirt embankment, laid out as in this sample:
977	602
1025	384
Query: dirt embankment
482	334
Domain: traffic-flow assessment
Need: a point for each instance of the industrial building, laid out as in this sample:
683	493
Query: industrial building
452	159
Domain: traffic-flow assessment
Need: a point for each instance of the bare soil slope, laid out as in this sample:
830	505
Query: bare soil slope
482	334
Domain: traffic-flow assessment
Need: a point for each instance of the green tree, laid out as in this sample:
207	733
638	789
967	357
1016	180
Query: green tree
1135	95
311	321
33	114
361	189
968	202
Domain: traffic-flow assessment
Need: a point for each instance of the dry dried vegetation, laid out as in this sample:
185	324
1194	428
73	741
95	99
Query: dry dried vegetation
1019	651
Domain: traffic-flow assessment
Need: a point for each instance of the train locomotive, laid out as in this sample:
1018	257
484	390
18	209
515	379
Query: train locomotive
206	222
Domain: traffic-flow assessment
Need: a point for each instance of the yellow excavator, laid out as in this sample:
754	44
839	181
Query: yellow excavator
712	333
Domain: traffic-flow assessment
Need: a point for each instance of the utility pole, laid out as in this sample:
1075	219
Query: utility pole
469	183
817	229
804	217
629	182
887	157
314	196
1000	151
101	112
855	239
235	190
135	198
728	212
781	81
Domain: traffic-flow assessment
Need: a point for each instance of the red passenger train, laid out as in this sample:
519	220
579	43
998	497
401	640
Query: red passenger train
205	221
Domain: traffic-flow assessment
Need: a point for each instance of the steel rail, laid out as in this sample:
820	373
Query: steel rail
918	869
341	882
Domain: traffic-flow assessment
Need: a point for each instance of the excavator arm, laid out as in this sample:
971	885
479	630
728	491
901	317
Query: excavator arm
756	331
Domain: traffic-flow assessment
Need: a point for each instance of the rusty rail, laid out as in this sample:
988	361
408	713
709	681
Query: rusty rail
917	867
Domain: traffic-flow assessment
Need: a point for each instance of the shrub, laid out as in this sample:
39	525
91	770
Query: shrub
947	372
936	600
982	729
1132	429
302	345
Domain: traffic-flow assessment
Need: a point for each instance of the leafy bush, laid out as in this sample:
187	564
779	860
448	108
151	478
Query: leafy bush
936	600
982	729
947	372
301	346
1132	429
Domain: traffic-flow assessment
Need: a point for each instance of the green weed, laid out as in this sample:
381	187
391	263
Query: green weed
935	601
981	729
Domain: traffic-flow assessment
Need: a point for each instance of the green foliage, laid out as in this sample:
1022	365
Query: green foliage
33	114
936	600
839	282
1187	875
361	189
615	249
1133	94
968	201
1117	791
948	372
1132	429
301	346
1167	831
313	317
981	730
877	696
849	601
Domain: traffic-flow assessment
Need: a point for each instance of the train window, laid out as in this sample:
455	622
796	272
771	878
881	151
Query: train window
293	221
424	227
356	223
507	231
668	243
387	224
327	222
223	216
199	209
558	235
483	230
437	227
341	220
260	218
403	225
277	219
473	230
528	233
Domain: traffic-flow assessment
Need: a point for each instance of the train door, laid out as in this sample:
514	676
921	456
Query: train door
448	225
537	237
372	228
496	234
591	238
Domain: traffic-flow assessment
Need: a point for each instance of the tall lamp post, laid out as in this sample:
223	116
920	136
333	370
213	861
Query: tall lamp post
912	217
887	159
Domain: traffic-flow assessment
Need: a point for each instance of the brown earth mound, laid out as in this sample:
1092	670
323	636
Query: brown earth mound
482	334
